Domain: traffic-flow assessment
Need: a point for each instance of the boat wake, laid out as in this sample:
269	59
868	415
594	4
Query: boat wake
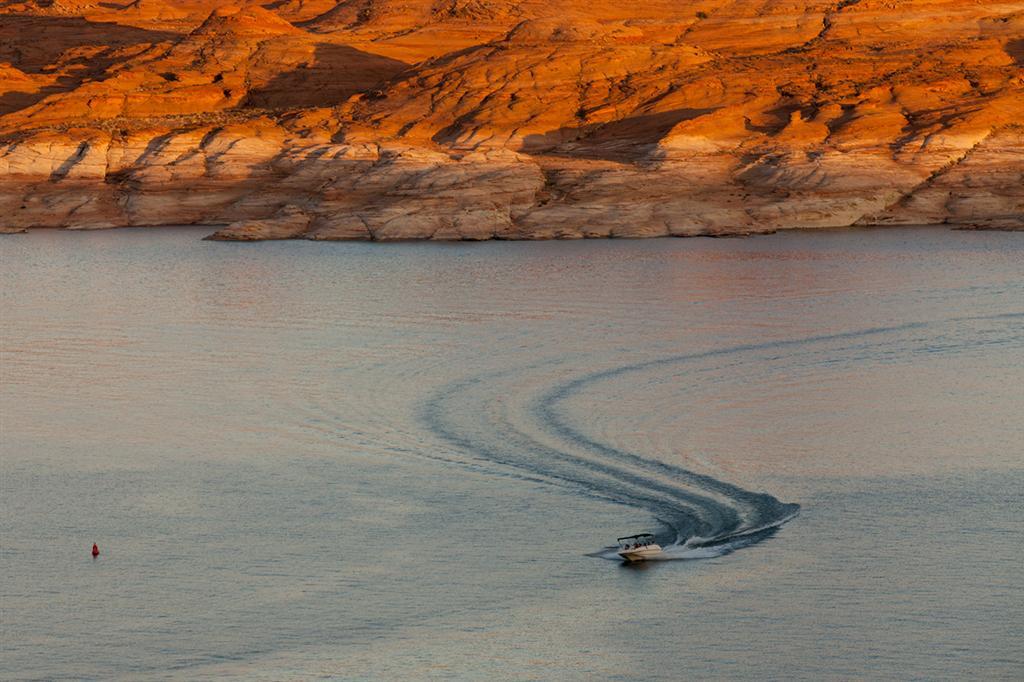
522	420
499	418
704	548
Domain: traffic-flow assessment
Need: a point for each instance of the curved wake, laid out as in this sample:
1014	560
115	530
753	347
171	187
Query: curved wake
518	419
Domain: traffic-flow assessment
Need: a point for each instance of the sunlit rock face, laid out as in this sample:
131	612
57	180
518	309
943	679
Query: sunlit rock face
479	119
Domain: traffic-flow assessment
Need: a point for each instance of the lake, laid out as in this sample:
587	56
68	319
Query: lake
407	461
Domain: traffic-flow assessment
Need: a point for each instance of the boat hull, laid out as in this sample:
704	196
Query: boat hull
642	554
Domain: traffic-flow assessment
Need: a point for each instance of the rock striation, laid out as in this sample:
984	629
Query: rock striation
492	119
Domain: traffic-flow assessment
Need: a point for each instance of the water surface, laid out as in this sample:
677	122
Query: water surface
362	460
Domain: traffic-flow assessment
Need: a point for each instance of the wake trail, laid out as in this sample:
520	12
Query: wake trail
518	419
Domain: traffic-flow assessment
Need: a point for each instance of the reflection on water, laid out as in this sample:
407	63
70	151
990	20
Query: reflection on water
357	460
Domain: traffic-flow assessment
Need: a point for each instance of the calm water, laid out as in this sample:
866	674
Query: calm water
356	461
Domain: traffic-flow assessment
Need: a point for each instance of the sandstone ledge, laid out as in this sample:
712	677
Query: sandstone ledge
263	188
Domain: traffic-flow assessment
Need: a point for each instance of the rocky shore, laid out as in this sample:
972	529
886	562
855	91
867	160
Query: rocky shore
387	120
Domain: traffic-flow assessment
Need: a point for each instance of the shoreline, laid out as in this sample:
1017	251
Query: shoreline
210	236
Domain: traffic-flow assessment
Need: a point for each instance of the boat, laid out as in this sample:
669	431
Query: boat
638	547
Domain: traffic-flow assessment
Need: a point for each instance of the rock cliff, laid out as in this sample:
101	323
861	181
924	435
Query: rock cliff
479	119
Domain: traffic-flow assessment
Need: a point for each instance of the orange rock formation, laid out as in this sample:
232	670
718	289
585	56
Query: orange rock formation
476	119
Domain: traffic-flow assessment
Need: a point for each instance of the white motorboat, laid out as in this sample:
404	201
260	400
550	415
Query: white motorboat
638	547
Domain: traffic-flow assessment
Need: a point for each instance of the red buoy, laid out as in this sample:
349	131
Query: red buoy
95	550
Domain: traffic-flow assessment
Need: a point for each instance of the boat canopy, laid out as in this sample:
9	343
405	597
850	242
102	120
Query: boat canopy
641	536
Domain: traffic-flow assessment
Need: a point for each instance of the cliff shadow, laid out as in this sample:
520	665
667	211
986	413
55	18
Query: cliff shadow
72	48
16	100
35	44
1015	48
335	73
613	141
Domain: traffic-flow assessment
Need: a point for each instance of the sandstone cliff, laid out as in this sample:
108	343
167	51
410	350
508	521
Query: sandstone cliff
477	119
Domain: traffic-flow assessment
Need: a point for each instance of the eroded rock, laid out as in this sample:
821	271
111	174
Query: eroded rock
484	119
